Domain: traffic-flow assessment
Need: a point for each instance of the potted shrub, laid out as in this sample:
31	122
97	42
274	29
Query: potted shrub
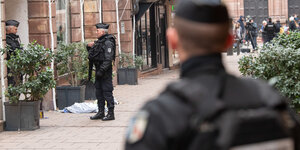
72	63
279	63
33	65
127	70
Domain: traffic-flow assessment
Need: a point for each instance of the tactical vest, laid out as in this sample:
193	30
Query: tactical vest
223	120
96	53
270	28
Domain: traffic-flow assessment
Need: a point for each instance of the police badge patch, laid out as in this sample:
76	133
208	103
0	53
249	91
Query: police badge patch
109	50
137	127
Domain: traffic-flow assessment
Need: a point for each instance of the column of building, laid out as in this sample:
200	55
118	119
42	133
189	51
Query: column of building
278	10
2	5
39	31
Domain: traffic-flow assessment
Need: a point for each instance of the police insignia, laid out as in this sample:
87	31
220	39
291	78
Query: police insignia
109	50
137	127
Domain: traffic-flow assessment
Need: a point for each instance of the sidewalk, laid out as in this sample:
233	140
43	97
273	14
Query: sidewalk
77	131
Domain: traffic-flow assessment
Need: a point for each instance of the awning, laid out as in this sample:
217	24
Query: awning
143	7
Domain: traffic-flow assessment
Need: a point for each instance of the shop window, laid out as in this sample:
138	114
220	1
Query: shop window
62	21
144	40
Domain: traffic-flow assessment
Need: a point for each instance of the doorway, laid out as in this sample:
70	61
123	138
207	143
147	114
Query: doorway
257	9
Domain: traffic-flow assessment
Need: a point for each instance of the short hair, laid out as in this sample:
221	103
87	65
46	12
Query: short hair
105	30
205	36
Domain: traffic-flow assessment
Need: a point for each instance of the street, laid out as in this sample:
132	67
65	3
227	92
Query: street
77	131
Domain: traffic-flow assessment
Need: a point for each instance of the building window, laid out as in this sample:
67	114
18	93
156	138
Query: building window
62	21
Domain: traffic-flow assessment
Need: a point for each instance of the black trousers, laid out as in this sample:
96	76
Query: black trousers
104	92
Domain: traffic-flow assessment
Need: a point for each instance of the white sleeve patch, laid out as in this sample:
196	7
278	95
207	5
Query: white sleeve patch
137	127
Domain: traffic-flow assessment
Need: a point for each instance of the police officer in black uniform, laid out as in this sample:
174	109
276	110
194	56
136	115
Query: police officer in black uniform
101	55
201	33
270	30
12	42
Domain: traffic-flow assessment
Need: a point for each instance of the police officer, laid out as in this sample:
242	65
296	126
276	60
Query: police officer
270	30
101	55
13	43
201	33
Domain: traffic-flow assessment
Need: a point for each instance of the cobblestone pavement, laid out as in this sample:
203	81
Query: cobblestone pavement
77	131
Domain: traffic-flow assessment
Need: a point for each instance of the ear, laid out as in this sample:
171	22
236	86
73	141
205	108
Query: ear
229	42
172	37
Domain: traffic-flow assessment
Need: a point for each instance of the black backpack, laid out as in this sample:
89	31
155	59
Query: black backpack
222	126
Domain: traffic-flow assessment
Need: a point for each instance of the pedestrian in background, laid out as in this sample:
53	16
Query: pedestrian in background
278	26
102	55
292	24
263	32
270	30
242	25
184	116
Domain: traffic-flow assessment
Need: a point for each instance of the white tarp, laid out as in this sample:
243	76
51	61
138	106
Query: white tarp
85	107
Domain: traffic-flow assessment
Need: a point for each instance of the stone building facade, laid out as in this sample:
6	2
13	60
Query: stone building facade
262	9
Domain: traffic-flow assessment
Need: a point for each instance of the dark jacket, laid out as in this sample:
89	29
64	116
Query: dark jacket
241	22
278	26
292	26
168	117
12	41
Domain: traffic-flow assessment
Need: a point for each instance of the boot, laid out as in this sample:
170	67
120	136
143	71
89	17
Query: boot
99	115
110	115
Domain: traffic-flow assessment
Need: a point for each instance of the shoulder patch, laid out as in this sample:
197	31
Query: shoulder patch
137	127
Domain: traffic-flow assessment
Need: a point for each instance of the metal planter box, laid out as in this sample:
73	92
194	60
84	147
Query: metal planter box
127	76
22	115
68	95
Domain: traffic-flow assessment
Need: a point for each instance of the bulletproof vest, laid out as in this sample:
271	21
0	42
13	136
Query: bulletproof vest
270	28
227	118
97	51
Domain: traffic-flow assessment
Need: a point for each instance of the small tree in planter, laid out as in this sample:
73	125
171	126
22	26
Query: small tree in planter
33	64
278	62
72	63
127	70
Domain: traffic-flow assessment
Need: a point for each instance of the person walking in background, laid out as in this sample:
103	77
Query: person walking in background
242	25
278	26
102	54
292	24
263	32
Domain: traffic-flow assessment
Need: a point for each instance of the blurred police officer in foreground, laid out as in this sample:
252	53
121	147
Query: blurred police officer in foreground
12	42
182	116
270	30
101	55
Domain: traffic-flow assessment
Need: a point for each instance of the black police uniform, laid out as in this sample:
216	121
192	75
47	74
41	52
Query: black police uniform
13	43
270	31
101	55
252	33
165	123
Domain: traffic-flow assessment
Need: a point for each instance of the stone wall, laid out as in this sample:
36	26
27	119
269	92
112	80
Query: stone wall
278	9
75	21
38	20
